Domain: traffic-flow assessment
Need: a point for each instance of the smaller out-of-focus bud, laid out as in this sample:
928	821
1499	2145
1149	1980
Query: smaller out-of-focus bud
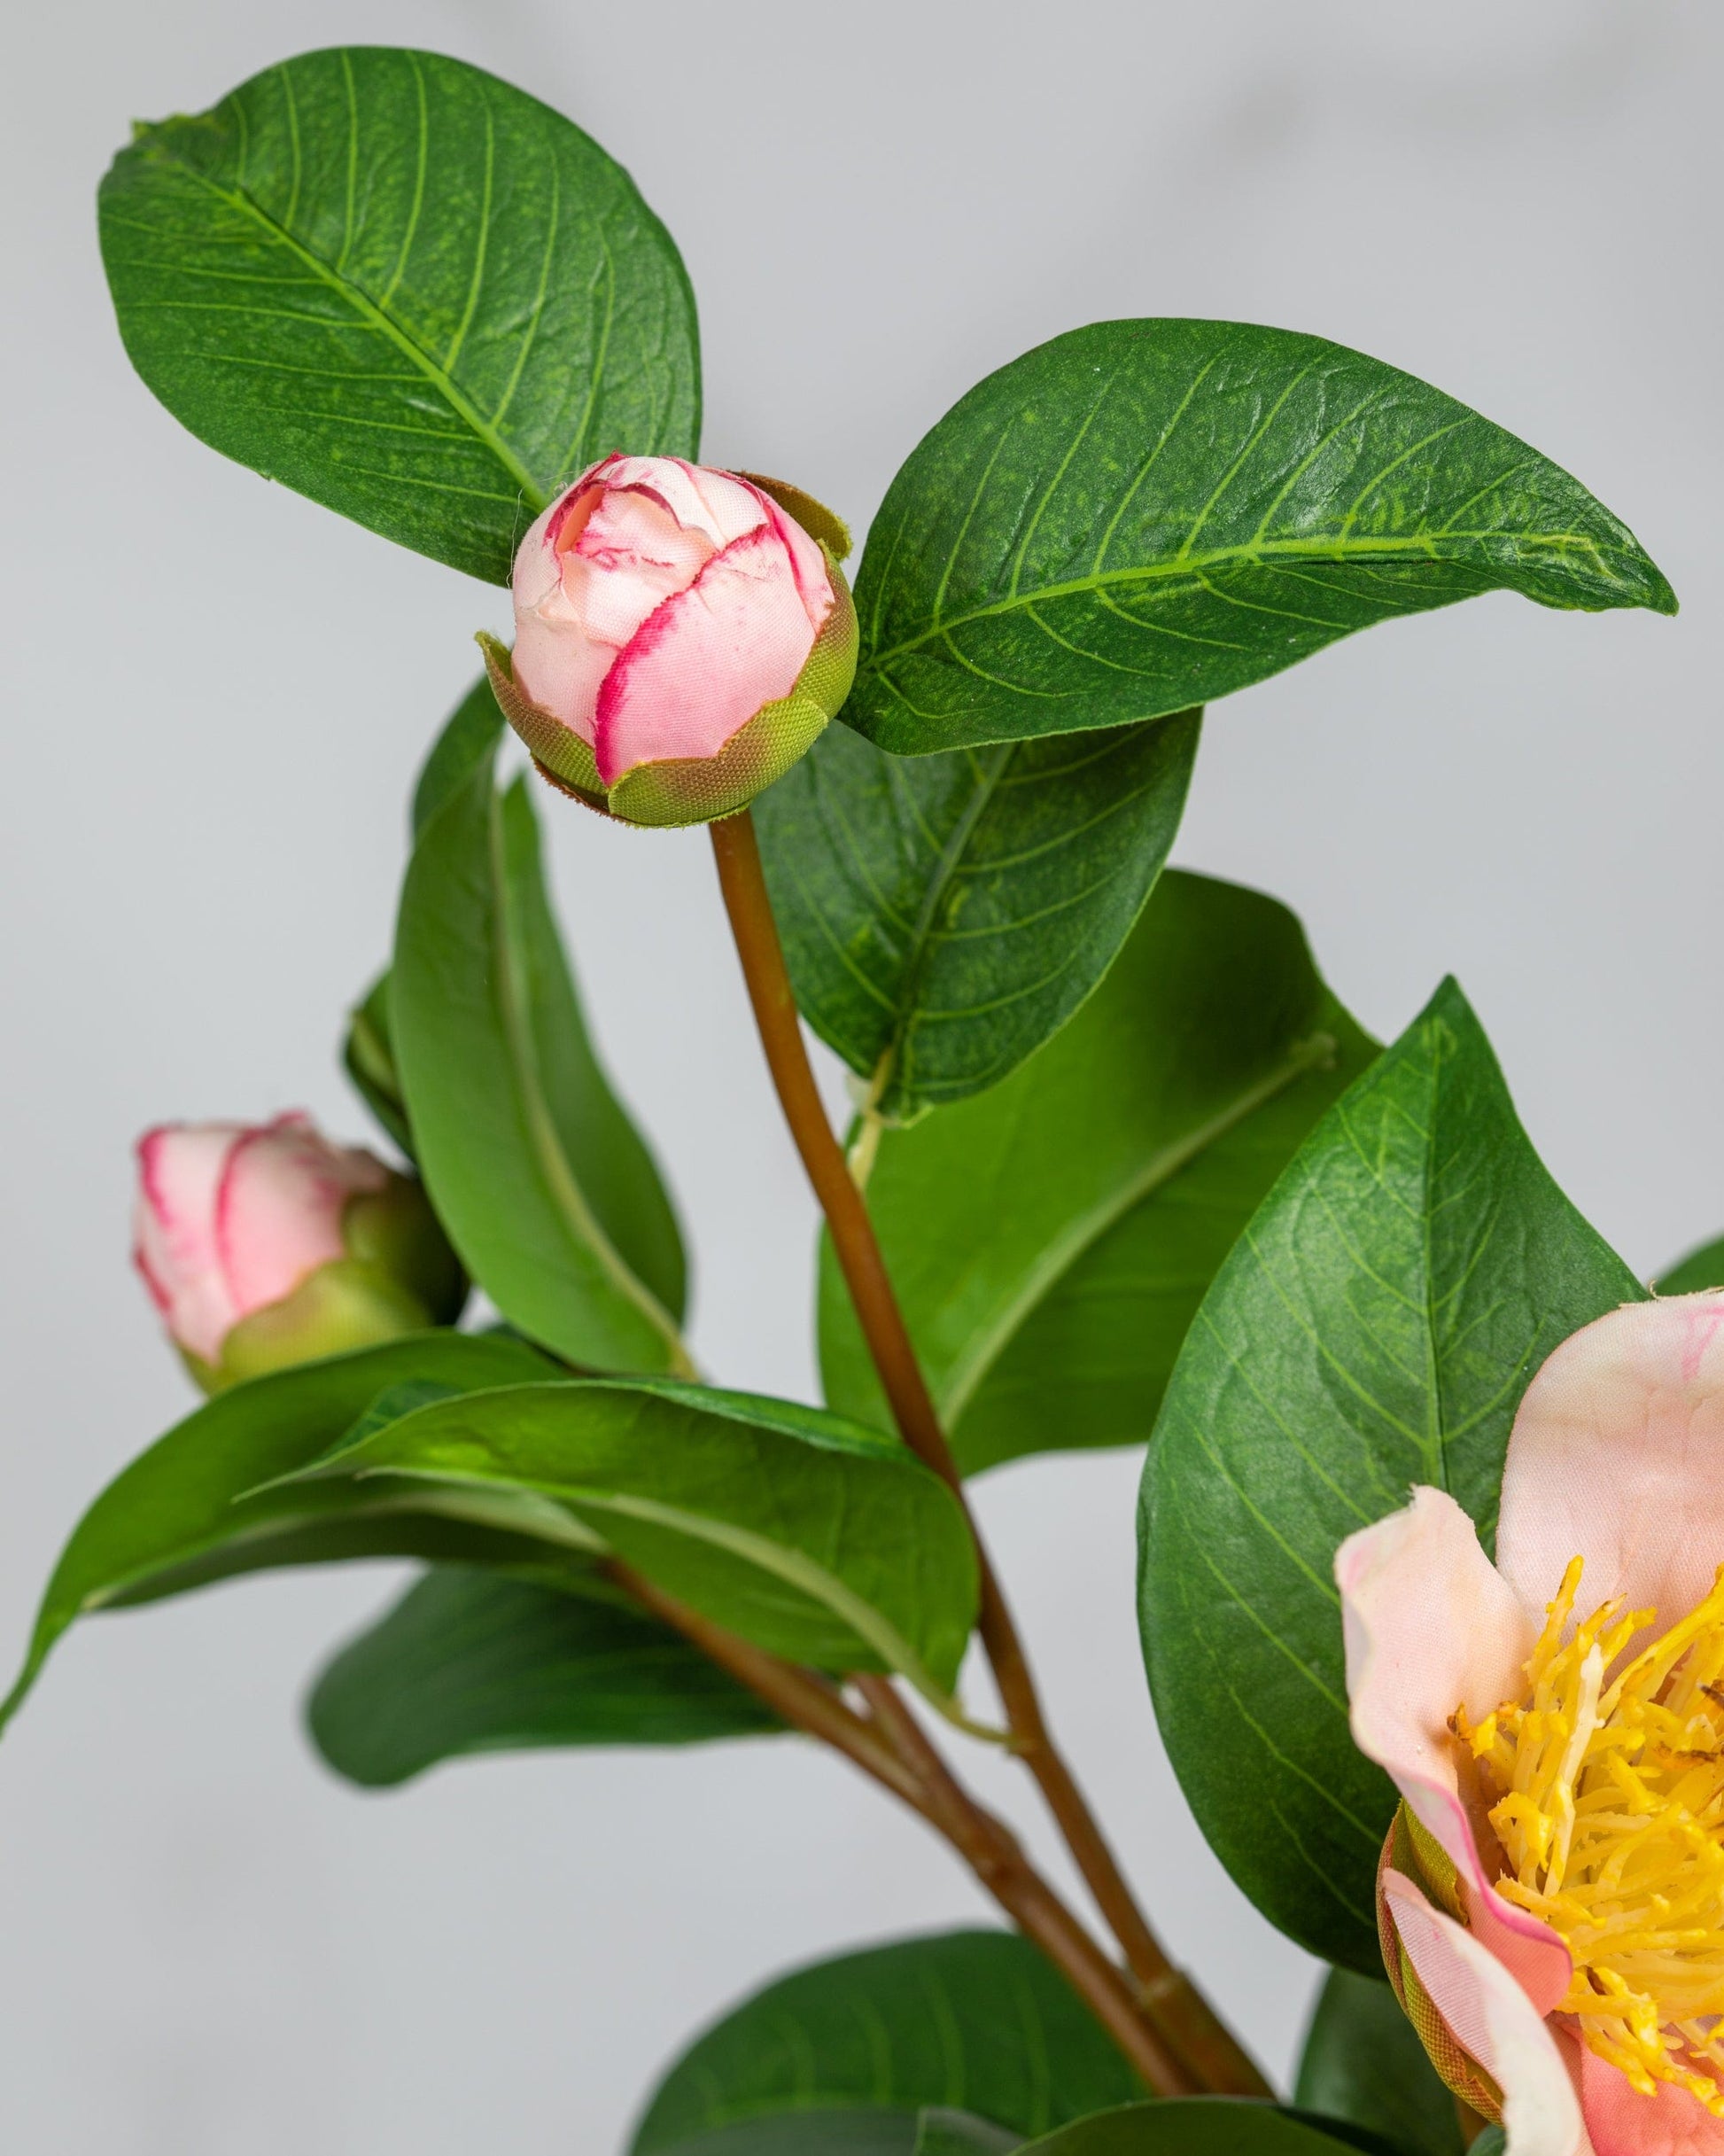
681	636
264	1245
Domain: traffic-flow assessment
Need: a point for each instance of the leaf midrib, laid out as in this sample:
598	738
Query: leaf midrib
373	316
967	1373
1190	566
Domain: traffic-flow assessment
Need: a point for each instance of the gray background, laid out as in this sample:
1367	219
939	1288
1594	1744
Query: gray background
215	694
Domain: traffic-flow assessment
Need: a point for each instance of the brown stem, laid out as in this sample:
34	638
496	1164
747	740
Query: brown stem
1183	2017
994	1854
916	1773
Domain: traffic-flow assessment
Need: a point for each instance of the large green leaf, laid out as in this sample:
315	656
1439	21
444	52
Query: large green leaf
852	2131
977	2020
1362	2062
1702	1268
814	1538
191	1508
1374	1328
1142	516
467	738
405	289
471	1661
942	915
1050	1241
544	1186
1205	2125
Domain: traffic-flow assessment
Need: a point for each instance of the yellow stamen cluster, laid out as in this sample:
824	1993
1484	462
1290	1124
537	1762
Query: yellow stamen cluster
1606	1791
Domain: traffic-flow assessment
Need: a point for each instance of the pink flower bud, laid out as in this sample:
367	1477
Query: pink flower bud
264	1245
681	638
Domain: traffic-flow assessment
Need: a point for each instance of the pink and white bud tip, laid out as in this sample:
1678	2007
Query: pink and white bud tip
682	635
263	1245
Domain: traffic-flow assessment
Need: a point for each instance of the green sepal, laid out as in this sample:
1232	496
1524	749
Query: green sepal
824	526
341	1306
558	751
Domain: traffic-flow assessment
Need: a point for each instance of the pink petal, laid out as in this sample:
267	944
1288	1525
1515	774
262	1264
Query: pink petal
630	557
1623	2122
279	1207
807	562
1493	2021
717	504
707	661
1430	1626
1617	1456
180	1169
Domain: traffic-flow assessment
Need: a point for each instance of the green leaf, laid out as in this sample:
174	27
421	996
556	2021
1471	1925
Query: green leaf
1702	1268
191	1509
942	915
368	1055
1362	2062
958	2133
975	2019
546	1190
470	1661
1374	1328
1142	516
1051	1242
467	738
815	1539
405	289
1205	2125
850	2132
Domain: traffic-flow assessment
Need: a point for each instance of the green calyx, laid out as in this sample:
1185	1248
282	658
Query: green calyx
400	1276
697	789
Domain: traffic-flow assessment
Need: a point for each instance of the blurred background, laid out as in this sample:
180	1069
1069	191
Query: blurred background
215	694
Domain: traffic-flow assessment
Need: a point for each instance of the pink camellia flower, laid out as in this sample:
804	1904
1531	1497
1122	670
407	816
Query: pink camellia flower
1551	1896
263	1245
680	638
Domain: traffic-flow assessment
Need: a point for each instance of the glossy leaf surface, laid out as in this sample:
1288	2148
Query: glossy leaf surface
1362	2062
943	915
1375	1326
405	289
1143	515
193	1509
1050	1241
544	1186
1203	2126
468	1661
815	1539
975	2020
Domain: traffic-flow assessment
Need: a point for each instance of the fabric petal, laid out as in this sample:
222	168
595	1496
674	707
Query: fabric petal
1430	1626
1617	1456
1623	2122
701	499
1493	2021
706	661
174	1245
279	1208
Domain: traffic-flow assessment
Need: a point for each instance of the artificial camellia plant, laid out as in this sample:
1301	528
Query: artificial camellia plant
1122	1172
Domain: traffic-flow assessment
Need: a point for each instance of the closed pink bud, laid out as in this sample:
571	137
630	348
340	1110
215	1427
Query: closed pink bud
681	638
264	1245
